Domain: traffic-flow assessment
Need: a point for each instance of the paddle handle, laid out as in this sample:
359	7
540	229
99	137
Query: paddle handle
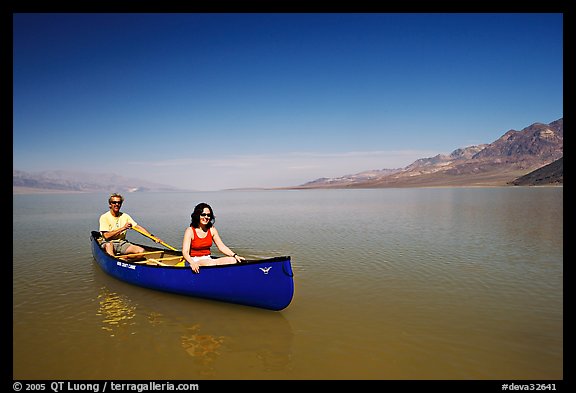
155	239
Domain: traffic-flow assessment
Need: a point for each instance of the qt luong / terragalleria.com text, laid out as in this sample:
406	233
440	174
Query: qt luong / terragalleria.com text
116	386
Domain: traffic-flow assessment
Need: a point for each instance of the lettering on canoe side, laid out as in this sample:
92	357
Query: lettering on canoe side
124	264
265	269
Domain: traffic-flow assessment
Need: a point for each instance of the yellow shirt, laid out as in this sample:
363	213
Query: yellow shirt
110	223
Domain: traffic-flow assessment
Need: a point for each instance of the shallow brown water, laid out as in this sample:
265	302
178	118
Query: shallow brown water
390	284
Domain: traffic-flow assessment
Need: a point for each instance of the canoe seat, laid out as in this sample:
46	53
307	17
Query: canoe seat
141	262
156	262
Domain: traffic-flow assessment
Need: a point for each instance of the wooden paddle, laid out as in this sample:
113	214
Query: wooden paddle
155	239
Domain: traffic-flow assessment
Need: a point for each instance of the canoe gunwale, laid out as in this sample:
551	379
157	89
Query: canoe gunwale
178	253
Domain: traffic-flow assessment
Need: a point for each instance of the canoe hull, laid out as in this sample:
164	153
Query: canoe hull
265	283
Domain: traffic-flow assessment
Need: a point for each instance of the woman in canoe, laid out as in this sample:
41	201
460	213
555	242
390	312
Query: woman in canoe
198	239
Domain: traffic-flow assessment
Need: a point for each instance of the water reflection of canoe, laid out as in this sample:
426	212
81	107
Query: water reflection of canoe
212	340
266	283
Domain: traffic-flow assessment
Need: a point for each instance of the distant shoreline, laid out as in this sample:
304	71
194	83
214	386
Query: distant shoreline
17	190
31	190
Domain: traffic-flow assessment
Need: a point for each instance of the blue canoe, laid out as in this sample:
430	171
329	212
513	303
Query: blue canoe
266	283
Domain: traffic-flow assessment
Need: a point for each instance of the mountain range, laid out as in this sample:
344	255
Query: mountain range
531	156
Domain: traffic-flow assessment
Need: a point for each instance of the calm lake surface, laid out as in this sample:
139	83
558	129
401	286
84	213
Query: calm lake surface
438	283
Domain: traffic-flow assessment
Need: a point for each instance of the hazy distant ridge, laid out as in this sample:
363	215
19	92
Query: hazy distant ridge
83	182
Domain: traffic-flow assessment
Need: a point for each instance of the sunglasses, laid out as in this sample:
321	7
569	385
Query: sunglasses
205	215
116	202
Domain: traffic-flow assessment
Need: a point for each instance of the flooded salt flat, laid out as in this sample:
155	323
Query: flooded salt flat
463	283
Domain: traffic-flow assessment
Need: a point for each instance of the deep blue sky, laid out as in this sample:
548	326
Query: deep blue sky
213	101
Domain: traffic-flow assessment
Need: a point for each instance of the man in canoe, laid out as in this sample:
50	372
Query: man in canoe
113	226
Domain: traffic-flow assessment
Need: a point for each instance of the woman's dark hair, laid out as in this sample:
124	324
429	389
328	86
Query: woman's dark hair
196	215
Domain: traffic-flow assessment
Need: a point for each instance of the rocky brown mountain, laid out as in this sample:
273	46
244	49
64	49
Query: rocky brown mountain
549	174
513	155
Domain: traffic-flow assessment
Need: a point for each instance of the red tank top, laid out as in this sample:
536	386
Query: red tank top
200	246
